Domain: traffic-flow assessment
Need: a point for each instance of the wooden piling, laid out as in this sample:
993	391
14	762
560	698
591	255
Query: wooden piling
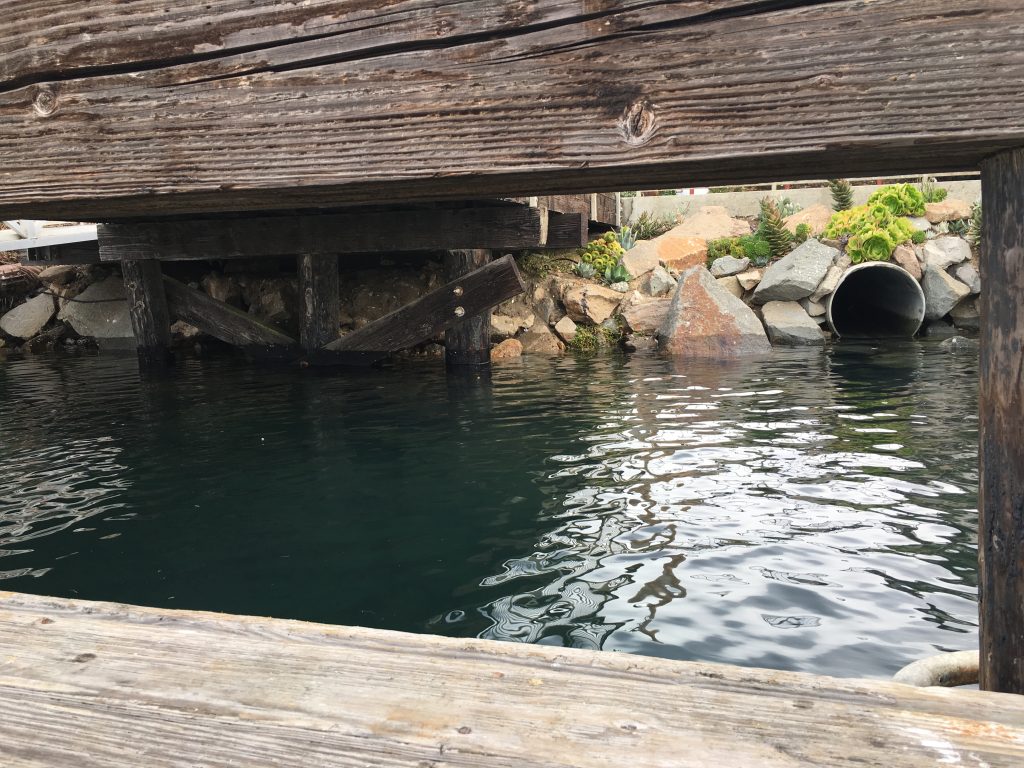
1001	407
147	307
318	291
468	342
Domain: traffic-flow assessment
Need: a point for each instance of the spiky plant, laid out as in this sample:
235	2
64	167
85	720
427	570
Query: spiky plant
773	229
975	231
842	194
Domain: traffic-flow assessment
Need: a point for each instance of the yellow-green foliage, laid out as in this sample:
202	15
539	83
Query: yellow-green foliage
604	253
591	338
873	230
900	199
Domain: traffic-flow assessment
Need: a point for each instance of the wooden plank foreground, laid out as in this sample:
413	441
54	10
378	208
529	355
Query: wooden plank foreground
113	110
98	684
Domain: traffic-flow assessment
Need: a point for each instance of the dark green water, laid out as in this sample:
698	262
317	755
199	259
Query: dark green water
814	511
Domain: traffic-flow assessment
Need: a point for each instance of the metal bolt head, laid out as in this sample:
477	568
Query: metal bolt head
460	312
457	290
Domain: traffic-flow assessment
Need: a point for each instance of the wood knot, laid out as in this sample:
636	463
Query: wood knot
84	657
637	123
45	101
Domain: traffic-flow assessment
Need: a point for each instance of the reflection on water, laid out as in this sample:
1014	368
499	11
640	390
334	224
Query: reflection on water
814	511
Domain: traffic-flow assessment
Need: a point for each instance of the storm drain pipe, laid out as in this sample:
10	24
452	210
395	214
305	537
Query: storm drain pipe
876	299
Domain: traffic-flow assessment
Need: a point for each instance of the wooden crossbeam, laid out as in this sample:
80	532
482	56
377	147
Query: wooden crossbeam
118	111
566	230
474	294
501	227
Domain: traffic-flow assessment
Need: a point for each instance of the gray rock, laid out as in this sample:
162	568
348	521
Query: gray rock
787	323
539	340
622	287
61	274
28	319
960	345
828	284
919	223
907	259
939	329
813	308
966	315
749	279
796	274
566	328
944	252
728	265
101	311
941	292
705	320
732	285
968	275
658	282
636	342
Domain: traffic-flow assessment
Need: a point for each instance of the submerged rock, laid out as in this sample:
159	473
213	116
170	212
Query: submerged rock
941	292
101	311
26	320
797	274
787	323
705	320
506	350
959	345
539	340
966	315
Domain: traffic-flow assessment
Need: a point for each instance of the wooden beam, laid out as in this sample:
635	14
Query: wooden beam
1001	406
70	253
429	315
147	307
467	342
224	322
566	230
318	294
101	684
235	106
504	227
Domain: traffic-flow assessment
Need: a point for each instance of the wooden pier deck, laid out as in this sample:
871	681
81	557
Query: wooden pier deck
98	684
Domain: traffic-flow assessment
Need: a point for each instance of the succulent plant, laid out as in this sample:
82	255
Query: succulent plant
870	245
842	194
900	199
583	269
773	229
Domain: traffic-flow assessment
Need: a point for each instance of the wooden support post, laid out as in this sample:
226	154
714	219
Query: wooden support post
147	306
1001	406
318	291
468	342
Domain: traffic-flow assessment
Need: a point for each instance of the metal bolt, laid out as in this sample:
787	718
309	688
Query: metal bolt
457	290
460	311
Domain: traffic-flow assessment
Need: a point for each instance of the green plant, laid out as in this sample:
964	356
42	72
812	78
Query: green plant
870	229
591	338
958	227
583	269
931	191
976	232
773	229
617	274
900	199
918	237
648	226
803	231
842	194
753	247
870	245
627	194
787	207
603	253
666	193
626	238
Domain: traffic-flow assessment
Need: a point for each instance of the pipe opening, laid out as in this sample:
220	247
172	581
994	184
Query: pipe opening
876	300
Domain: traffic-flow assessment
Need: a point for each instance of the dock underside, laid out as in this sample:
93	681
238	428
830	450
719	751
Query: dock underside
98	684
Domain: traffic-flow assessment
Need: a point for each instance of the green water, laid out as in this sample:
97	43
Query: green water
814	511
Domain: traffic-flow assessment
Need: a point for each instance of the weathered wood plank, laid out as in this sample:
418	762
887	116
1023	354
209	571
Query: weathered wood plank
318	293
429	315
1001	407
566	230
68	253
147	307
86	685
224	322
467	342
319	106
511	227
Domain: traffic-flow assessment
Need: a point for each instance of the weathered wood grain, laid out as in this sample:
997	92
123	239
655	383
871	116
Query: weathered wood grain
85	685
147	307
318	294
224	322
467	342
566	230
504	227
287	105
433	313
1001	410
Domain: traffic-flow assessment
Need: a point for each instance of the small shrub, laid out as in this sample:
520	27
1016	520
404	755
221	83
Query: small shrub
753	247
648	226
900	199
591	338
772	228
959	227
787	207
842	194
617	274
918	237
583	269
975	231
803	231
932	192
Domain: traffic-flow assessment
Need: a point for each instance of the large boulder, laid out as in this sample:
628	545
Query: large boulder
728	265
539	340
816	217
28	319
787	323
711	223
797	274
643	314
949	209
966	315
589	303
673	249
101	311
941	292
907	259
507	350
944	252
705	320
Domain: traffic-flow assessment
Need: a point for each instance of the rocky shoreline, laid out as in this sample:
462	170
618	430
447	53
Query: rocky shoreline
673	299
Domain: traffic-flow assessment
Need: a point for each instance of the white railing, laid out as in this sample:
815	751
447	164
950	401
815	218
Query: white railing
22	234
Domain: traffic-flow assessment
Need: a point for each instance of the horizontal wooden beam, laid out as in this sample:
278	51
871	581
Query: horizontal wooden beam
113	111
566	230
503	227
473	294
224	322
67	253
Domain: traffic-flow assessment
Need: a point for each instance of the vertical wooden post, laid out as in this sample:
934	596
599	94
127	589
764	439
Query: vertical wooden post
318	289
147	306
1001	406
468	343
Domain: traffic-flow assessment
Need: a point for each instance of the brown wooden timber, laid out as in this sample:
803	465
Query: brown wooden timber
68	253
318	294
566	230
1001	406
319	104
467	342
100	684
226	323
147	307
506	227
435	312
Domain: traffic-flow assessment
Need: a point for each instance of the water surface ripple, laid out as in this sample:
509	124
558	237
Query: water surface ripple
814	511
